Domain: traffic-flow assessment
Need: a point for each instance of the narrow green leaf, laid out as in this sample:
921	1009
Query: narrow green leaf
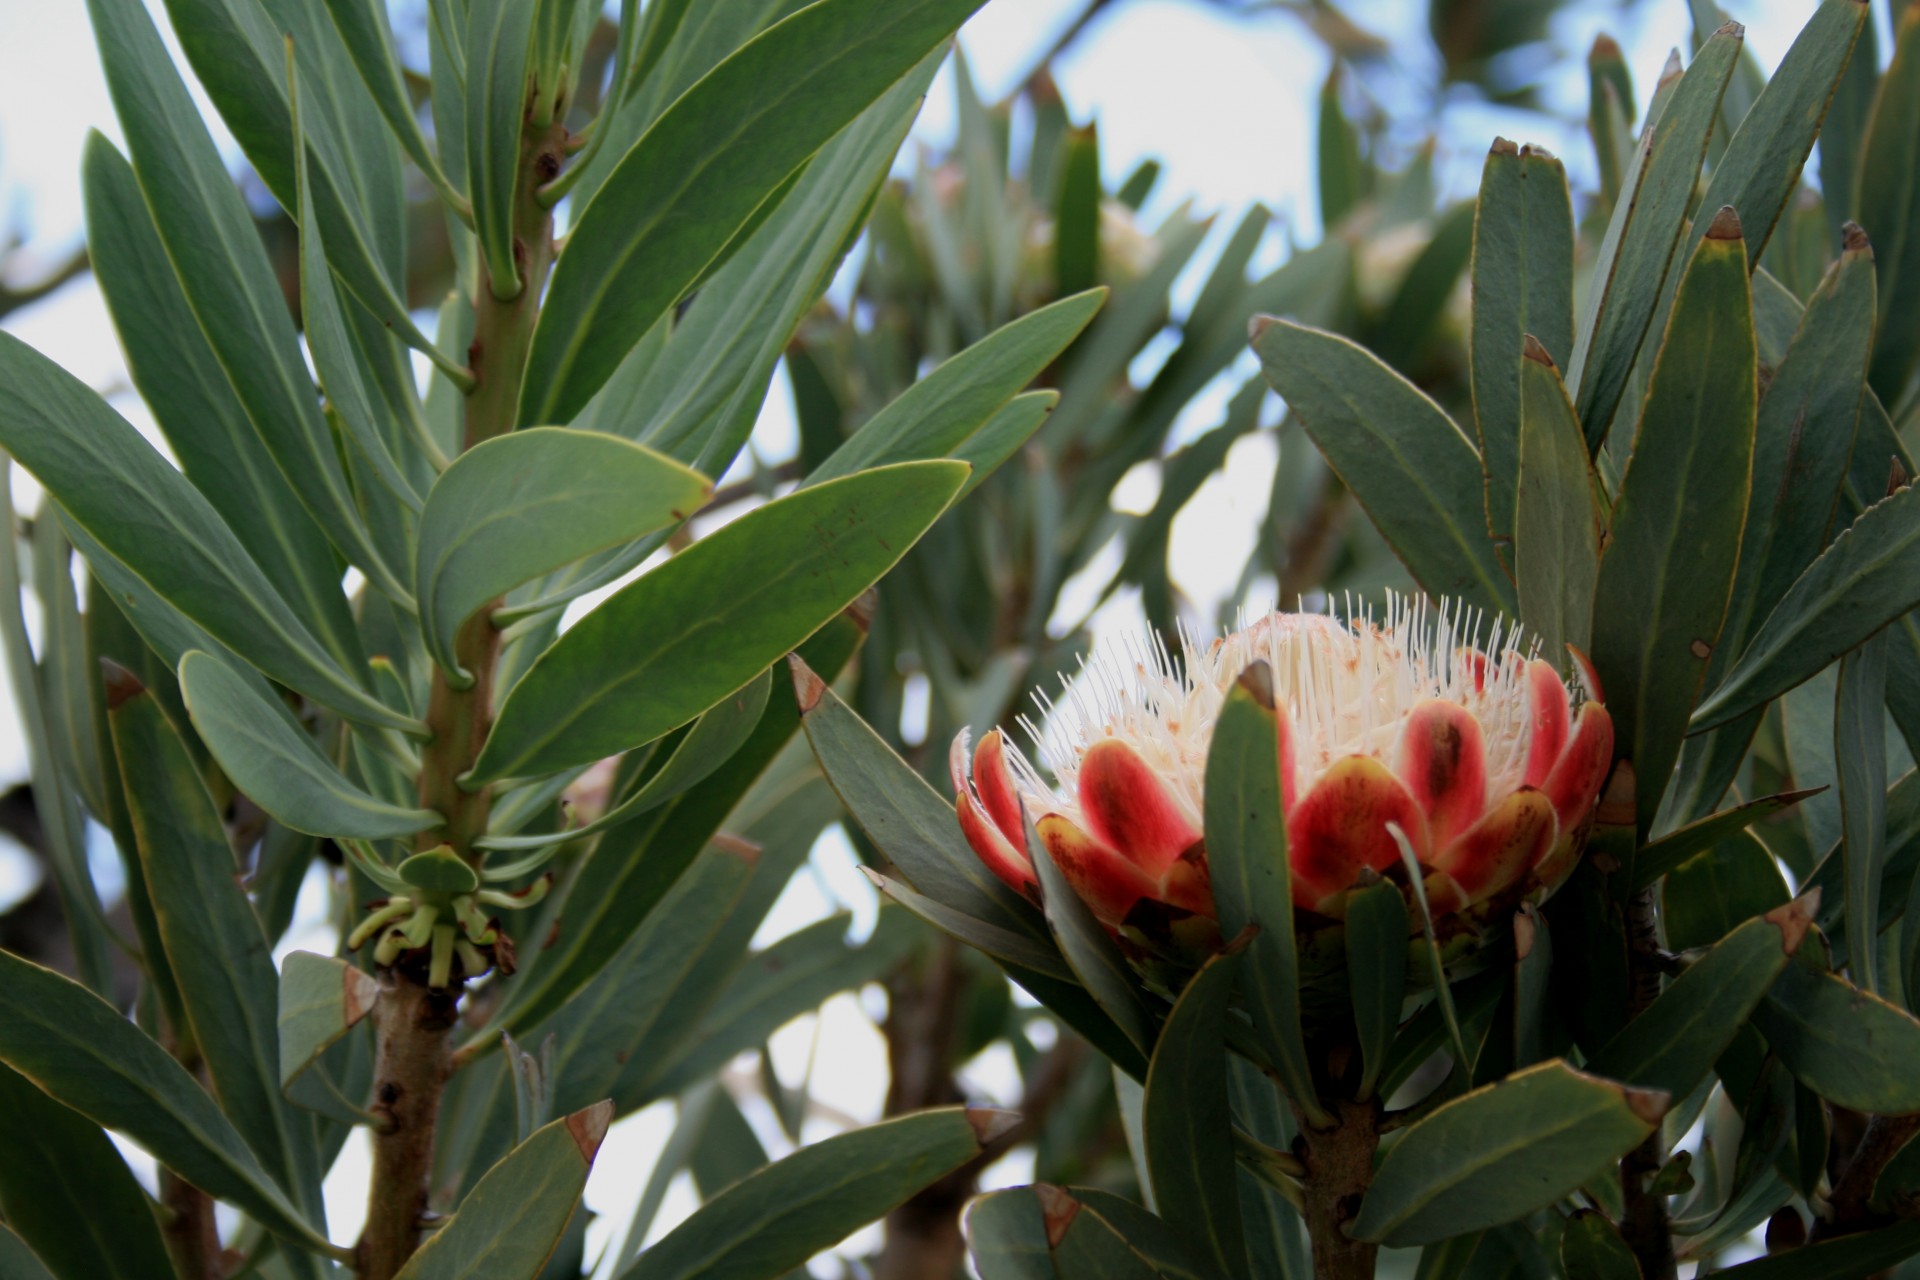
521	505
1418	477
321	999
1246	834
80	1050
1002	435
1188	1124
363	29
153	521
706	620
18	1262
223	268
204	423
1076	220
1638	248
1522	284
215	948
1673	1045
779	1217
1847	1045
1556	529
1889	205
944	410
1860	758
278	765
1089	950
709	743
1610	115
1376	972
991	939
1590	1249
1343	179
1658	857
1669	562
1532	989
498	33
1868	577
1502	1152
1845	1258
728	142
510	1222
70	1195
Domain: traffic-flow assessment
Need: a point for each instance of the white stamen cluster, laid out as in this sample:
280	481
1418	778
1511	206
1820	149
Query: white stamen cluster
1347	687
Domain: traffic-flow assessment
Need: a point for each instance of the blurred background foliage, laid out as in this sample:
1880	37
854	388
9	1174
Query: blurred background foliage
1159	407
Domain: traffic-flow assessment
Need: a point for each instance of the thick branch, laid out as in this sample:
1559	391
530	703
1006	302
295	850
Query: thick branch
1339	1164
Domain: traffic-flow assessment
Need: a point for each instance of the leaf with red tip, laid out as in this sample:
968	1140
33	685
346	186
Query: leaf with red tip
1514	835
1340	826
1443	761
1105	881
1129	808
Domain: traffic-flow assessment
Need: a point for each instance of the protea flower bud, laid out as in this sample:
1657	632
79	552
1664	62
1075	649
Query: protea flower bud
1482	758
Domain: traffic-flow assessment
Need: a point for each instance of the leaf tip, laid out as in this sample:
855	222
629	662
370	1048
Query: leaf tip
1531	348
1503	147
1605	49
1731	29
808	688
736	847
1669	71
1725	224
1057	1210
1258	326
990	1125
1853	238
1648	1104
358	992
1525	931
1257	680
862	609
588	1126
122	684
1795	918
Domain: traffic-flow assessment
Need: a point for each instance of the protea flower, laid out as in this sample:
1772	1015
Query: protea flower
1481	757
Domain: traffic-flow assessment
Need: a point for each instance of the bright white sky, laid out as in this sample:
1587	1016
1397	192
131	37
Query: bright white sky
1226	105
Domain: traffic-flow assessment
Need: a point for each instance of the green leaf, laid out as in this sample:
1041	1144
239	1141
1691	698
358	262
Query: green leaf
278	765
708	744
17	1262
1418	477
521	505
727	143
1675	1042
510	1222
321	999
1002	435
779	1217
682	637
1864	1254
1847	1045
1556	556
1638	248
1188	1124
1246	833
1076	240
1860	758
1532	986
1889	205
497	35
1007	1236
218	955
1343	178
204	424
631	868
1590	1249
1501	1152
217	256
1868	577
991	939
363	29
944	410
69	1194
1712	893
80	1050
1522	284
1668	567
1376	972
113	485
1610	115
439	870
1658	857
1089	950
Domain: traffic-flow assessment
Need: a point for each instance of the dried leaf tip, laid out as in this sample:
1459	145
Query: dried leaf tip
1670	70
1057	1210
1853	238
1257	680
122	684
1525	929
1605	49
1259	325
1731	28
736	847
589	1125
1793	919
358	991
1649	1104
808	688
1533	349
990	1125
1504	147
1725	224
863	608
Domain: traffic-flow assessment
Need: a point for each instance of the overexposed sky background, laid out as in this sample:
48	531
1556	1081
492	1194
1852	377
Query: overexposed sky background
1226	104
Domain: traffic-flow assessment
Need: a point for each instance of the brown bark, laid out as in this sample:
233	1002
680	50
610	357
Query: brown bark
1644	1225
412	1024
1339	1161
